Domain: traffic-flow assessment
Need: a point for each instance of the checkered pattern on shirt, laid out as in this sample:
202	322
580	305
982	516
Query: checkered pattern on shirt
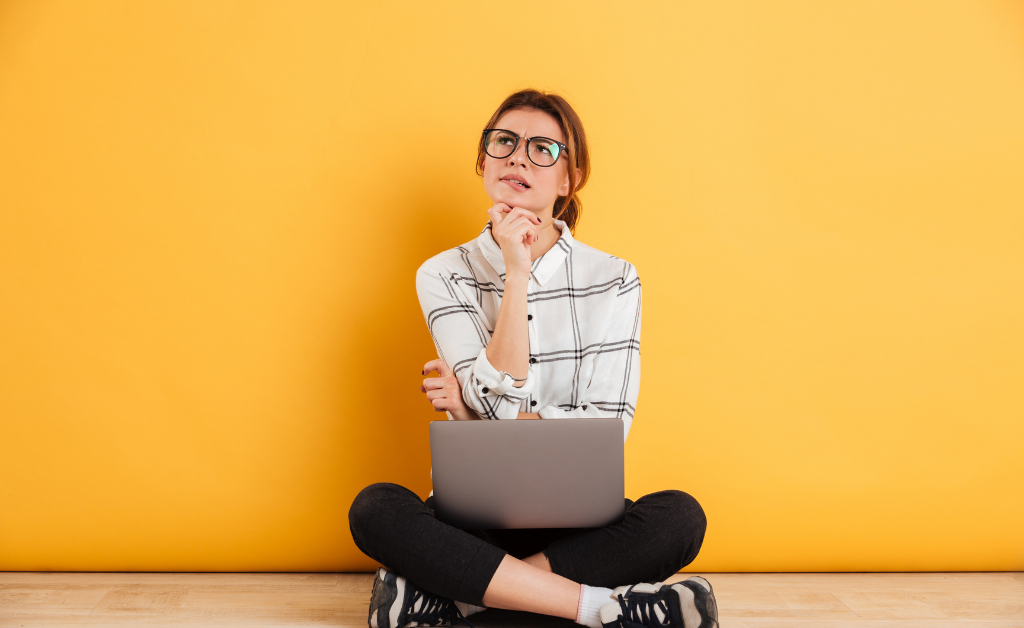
584	330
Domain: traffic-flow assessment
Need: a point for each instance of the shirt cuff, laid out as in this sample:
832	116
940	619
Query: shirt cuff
584	411
551	412
495	383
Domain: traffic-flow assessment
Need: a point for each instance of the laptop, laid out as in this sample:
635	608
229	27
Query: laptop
547	473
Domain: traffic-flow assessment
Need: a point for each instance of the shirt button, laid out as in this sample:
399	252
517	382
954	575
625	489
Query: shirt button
533	360
584	407
533	403
529	317
485	390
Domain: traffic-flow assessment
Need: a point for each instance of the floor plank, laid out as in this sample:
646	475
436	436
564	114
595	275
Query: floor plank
769	600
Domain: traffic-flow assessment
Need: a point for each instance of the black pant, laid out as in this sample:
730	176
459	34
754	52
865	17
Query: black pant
659	535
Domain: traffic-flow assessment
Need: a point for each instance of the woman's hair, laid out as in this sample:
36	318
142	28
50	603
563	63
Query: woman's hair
568	207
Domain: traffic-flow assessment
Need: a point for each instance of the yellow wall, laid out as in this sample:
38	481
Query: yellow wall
209	228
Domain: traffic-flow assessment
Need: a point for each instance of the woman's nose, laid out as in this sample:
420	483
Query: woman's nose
516	157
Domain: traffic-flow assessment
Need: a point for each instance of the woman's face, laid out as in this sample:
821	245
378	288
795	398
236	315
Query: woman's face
517	181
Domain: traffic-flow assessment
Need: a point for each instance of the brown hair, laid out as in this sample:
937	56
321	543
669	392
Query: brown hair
568	207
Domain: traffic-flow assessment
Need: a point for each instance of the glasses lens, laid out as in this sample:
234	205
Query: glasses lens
499	144
543	152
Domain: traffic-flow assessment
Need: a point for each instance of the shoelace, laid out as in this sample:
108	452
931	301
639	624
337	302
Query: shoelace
638	611
434	610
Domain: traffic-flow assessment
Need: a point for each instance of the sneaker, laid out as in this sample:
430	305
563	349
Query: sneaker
397	603
687	604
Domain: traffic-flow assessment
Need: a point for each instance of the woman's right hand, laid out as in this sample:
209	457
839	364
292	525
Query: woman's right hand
444	392
514	229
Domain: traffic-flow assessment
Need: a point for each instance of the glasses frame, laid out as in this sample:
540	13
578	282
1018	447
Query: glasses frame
562	147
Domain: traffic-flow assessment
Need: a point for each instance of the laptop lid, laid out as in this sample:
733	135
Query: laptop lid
554	473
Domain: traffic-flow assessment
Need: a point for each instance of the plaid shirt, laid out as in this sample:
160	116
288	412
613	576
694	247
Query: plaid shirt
584	320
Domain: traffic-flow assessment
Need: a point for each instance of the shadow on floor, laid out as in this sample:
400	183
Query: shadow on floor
497	618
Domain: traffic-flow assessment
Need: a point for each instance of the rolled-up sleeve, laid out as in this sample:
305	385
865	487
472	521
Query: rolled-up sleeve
615	386
461	332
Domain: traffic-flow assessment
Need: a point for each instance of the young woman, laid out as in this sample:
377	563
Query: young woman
531	324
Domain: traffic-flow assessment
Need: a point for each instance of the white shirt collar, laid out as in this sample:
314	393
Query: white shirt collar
543	267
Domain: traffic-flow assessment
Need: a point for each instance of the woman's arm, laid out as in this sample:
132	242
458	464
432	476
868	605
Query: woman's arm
478	357
509	349
444	393
461	333
514	230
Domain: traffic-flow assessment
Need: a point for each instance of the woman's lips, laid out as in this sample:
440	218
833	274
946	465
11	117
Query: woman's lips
512	184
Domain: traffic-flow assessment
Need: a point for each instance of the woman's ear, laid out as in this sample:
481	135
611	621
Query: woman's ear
563	190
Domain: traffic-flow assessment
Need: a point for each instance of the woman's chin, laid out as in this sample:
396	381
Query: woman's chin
520	204
516	201
511	202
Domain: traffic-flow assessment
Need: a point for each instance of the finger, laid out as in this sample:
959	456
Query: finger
514	223
516	212
433	383
514	219
438	394
443	370
522	230
497	213
433	365
440	405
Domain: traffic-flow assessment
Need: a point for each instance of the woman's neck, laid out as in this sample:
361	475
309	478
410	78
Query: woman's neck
549	234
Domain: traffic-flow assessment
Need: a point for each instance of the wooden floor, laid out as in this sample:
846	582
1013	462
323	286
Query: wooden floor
932	600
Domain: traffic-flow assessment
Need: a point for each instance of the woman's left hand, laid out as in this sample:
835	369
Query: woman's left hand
444	391
515	230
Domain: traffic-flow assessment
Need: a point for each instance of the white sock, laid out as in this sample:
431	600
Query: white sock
469	609
591	600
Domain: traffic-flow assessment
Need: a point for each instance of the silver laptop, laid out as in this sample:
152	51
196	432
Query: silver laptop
547	473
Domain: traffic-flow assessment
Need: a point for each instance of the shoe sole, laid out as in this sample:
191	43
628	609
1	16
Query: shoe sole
383	596
702	601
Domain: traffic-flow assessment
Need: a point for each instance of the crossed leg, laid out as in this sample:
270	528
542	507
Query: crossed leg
659	534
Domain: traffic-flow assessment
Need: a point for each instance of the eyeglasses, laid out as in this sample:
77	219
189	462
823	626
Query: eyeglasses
543	151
